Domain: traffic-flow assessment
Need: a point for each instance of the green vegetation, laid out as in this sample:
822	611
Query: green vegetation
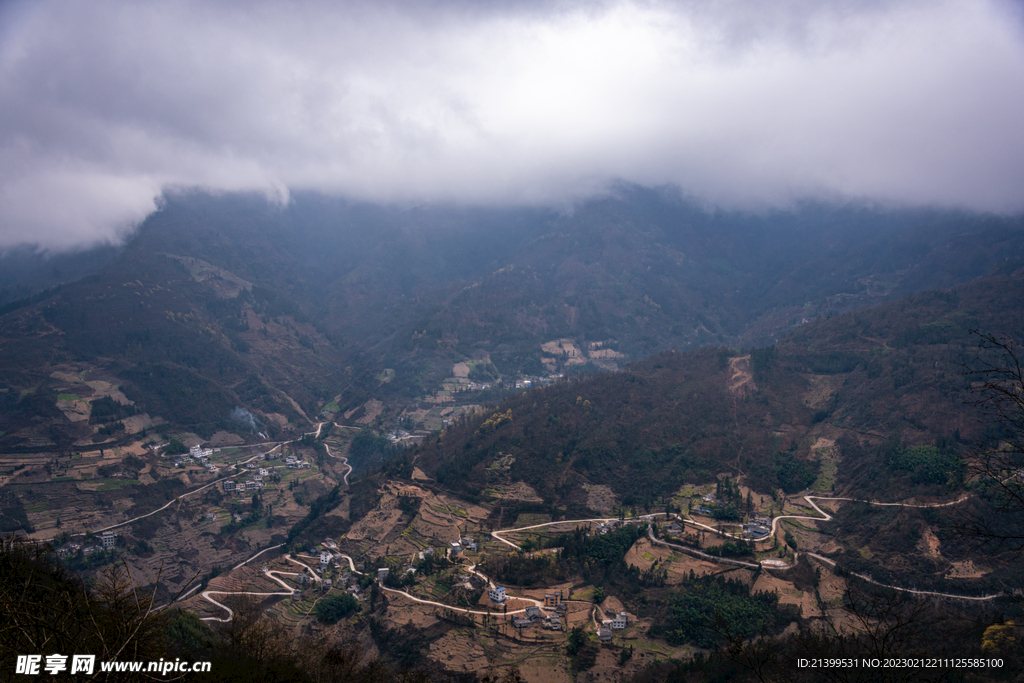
927	464
175	447
369	449
333	608
598	559
68	397
711	609
106	409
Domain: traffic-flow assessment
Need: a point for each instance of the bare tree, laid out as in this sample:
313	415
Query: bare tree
995	467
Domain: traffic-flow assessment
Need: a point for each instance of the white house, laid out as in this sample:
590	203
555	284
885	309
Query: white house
497	595
109	539
619	621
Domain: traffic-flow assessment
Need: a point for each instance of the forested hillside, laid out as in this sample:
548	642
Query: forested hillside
228	302
887	384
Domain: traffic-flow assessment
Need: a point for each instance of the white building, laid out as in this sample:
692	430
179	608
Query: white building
229	486
382	573
109	539
325	558
497	595
619	621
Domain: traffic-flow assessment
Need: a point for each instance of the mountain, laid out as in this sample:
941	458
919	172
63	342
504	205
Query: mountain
226	302
873	404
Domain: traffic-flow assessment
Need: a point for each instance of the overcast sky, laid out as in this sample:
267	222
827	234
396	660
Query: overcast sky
103	105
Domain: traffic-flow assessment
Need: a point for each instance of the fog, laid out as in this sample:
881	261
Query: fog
106	105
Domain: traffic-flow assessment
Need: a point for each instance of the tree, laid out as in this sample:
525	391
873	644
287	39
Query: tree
175	447
332	609
995	466
576	640
49	609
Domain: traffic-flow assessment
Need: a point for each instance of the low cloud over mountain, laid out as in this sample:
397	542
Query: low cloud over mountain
109	104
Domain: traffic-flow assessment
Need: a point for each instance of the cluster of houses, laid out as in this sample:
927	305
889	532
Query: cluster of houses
346	579
759	526
199	455
254	484
465	543
398	435
108	539
605	527
616	623
673	529
534	615
527	382
199	452
294	463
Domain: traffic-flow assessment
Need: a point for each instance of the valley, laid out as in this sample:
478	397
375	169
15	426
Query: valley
361	449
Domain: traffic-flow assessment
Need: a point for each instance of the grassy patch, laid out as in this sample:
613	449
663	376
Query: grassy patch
67	397
587	595
531	518
648	557
38	507
827	478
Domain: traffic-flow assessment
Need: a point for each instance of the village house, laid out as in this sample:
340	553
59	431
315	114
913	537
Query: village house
755	530
325	558
533	612
382	573
109	539
497	595
619	622
521	623
553	599
229	486
604	635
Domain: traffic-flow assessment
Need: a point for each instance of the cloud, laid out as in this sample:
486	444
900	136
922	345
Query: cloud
106	104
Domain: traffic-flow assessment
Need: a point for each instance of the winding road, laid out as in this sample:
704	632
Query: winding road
269	573
498	535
